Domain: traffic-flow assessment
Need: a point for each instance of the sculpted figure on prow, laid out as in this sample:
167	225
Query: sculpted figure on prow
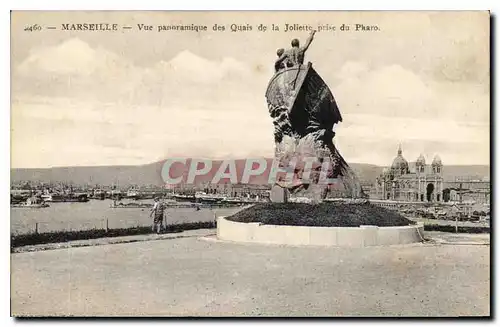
279	64
295	55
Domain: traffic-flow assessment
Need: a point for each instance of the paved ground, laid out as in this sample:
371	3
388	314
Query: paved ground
460	238
114	240
189	276
442	222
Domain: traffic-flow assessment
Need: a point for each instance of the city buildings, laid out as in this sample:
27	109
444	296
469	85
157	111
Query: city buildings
397	182
425	183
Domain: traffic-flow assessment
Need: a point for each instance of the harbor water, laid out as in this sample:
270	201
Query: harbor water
67	216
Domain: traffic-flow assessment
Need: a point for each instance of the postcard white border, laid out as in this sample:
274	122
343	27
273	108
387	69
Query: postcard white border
8	5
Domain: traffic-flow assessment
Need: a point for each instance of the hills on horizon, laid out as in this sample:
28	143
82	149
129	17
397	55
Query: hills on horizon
150	174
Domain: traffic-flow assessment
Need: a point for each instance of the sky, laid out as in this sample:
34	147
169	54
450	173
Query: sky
128	97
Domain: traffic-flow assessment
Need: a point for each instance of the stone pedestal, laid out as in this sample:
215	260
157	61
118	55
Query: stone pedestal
279	194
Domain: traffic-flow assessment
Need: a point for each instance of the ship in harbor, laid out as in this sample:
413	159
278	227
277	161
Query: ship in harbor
98	194
33	202
133	194
184	197
202	197
19	196
70	197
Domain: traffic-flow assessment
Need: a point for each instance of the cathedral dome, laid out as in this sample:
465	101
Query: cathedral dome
437	161
399	163
420	160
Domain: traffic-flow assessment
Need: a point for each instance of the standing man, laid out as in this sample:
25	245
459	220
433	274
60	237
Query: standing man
296	54
157	213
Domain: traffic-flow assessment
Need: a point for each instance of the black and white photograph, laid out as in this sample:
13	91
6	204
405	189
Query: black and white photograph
250	164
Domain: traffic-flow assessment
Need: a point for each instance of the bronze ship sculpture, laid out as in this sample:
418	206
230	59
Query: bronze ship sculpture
304	112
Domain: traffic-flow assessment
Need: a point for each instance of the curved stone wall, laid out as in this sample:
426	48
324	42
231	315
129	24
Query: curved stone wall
323	236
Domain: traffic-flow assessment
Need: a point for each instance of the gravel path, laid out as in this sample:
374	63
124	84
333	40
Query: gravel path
192	277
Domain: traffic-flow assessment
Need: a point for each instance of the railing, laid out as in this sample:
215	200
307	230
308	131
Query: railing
37	227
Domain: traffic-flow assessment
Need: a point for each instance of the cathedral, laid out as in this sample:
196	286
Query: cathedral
424	184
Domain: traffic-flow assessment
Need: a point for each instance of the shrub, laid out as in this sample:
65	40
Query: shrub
66	236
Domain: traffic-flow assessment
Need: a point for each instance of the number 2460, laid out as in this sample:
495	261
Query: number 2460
33	28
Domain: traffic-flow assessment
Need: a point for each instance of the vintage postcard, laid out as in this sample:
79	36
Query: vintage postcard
241	164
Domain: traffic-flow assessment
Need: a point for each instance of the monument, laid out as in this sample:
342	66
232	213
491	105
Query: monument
304	112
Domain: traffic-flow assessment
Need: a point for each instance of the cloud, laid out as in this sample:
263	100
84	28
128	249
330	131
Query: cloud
374	139
200	70
75	69
394	91
73	57
63	132
74	104
352	70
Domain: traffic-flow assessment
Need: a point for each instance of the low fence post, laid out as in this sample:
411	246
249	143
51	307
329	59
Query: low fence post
456	224
107	225
36	228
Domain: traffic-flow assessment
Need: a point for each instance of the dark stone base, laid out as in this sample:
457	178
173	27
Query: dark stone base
320	215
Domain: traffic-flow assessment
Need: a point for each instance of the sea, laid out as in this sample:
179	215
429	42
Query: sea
67	216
